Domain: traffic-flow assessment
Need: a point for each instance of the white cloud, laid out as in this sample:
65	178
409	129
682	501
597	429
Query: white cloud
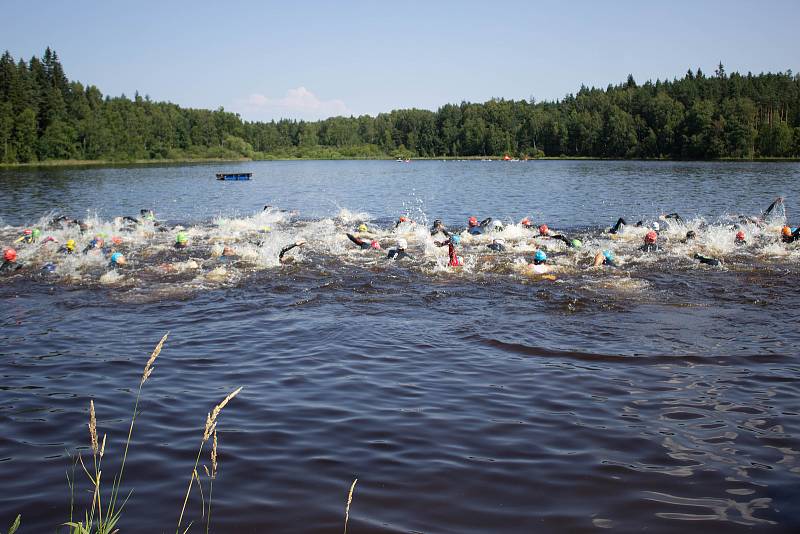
299	103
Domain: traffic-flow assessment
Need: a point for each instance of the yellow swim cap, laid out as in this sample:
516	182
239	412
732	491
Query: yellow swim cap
71	244
362	227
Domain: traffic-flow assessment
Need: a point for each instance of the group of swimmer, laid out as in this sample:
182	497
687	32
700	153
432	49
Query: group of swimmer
82	240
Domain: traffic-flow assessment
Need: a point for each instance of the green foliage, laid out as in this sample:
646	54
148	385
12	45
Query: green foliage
44	116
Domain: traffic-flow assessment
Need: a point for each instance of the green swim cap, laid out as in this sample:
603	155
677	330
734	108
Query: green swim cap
576	243
181	237
36	233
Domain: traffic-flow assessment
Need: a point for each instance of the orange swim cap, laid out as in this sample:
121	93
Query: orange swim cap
786	231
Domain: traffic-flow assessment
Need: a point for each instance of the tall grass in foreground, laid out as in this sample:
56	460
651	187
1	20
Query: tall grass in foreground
105	510
102	516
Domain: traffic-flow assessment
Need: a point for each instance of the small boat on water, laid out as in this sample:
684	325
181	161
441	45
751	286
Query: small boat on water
234	176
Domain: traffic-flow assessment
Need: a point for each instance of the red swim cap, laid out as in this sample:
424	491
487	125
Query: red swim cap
739	236
27	231
116	240
525	222
10	254
651	237
543	229
374	244
473	221
403	219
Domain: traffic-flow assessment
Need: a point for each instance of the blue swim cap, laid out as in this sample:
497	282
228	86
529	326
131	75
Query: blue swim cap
607	254
49	268
540	256
455	239
115	257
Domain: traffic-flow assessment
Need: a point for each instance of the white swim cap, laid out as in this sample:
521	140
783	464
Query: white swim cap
402	243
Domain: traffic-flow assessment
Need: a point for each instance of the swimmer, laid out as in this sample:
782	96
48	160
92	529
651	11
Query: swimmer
117	260
544	231
539	265
181	240
287	248
60	222
68	248
526	223
365	244
606	257
363	228
10	263
401	220
672	216
571	243
617	226
96	243
473	227
455	259
650	242
691	235
29	236
739	240
399	252
438	227
497	245
777	202
789	236
707	260
147	214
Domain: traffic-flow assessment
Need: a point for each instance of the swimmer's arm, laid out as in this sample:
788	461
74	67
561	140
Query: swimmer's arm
355	239
287	248
674	216
130	219
561	238
771	207
617	226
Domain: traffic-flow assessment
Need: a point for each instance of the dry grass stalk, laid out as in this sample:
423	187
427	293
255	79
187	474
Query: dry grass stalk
103	447
92	427
148	368
211	419
214	457
347	508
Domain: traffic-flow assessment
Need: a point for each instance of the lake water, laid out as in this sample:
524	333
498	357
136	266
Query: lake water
661	393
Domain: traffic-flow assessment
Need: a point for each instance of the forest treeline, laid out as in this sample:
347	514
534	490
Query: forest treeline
45	116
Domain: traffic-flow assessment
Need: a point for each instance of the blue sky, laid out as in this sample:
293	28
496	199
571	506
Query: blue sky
312	59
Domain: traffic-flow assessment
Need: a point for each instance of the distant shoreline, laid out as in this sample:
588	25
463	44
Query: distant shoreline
113	163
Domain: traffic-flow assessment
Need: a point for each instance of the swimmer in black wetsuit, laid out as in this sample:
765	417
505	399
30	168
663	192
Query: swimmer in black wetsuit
399	252
438	226
617	226
707	260
690	236
497	245
287	248
365	244
789	236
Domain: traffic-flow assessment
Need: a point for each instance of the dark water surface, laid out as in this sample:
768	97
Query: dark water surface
660	396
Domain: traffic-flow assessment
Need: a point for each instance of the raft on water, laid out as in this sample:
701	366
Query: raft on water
234	176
